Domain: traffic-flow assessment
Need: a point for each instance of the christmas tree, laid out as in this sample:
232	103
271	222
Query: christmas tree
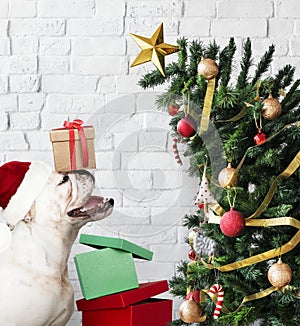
242	138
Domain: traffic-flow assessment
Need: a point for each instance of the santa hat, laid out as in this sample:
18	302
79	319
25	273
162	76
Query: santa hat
21	183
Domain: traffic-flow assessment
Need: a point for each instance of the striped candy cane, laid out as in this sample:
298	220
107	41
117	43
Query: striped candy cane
219	289
175	151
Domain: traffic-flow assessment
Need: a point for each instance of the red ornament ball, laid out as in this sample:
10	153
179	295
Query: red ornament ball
186	127
192	254
201	205
173	110
260	137
232	223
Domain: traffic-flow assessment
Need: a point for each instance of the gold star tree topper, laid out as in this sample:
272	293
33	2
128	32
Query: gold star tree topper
153	49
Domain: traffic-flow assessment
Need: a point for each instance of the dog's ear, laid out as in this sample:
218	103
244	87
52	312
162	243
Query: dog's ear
30	215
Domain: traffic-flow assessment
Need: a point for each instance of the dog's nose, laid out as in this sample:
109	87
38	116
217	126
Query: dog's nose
111	201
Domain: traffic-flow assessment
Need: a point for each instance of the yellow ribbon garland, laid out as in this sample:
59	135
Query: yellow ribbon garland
258	258
240	115
245	110
293	166
251	297
257	296
248	298
218	209
267	254
207	105
280	221
297	124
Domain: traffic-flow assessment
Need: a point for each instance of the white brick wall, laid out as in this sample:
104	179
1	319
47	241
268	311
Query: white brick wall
68	59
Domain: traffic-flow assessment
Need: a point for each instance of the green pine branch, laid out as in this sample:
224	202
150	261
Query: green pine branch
263	64
246	63
225	65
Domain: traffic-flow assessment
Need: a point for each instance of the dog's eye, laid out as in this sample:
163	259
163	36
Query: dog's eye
64	180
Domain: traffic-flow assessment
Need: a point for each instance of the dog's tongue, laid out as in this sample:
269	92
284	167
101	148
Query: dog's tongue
92	202
95	204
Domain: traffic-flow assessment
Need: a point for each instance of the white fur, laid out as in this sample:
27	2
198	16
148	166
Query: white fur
35	289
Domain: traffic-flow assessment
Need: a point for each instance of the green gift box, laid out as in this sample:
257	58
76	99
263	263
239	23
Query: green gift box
109	269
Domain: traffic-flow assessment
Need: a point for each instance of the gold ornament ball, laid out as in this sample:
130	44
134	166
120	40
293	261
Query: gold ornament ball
280	274
208	68
271	108
190	311
227	177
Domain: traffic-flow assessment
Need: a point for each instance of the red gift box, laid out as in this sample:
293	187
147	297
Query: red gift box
147	313
129	308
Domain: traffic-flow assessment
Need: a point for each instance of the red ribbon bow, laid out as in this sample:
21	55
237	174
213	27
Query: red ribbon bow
72	125
193	294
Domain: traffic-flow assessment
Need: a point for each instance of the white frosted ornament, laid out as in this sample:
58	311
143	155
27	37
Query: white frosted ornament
205	196
204	245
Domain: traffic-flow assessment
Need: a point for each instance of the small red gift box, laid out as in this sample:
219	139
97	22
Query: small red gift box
73	147
129	308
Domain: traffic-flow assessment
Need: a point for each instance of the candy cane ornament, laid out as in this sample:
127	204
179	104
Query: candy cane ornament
219	289
175	151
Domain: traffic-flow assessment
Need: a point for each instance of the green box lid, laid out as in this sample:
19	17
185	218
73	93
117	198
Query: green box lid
104	272
99	242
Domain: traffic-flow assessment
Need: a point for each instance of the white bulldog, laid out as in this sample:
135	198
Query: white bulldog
34	285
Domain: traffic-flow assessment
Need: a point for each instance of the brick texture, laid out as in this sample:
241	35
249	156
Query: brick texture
70	59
